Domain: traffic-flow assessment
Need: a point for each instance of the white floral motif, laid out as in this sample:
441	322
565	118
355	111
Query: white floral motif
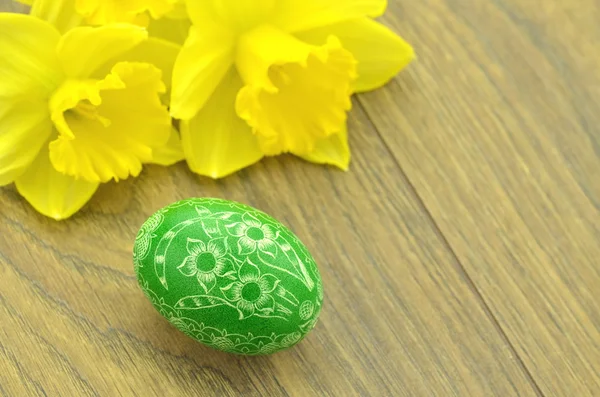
207	262
306	310
141	247
252	293
253	234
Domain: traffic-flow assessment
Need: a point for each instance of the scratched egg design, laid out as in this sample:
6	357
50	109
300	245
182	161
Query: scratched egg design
228	275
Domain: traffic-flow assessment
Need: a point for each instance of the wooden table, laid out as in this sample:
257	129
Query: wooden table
460	254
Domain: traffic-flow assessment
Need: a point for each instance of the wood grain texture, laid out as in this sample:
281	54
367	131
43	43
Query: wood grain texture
12	6
476	274
399	318
496	126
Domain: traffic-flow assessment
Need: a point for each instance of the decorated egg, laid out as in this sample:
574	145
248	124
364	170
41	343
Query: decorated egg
228	275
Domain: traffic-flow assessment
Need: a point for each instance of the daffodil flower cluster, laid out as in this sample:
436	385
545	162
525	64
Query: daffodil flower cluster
89	89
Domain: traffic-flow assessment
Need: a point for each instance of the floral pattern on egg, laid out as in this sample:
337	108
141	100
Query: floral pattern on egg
228	275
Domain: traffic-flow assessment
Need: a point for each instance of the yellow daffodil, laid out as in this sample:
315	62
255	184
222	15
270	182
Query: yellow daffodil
173	27
103	12
73	114
263	77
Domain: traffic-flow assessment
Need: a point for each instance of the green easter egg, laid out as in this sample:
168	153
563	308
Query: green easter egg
228	275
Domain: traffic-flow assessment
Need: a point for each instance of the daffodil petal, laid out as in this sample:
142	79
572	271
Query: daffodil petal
298	15
158	52
51	193
380	53
170	153
238	17
28	64
24	127
29	72
155	51
217	142
264	47
333	150
199	68
109	128
171	29
102	12
294	93
60	13
83	50
179	11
